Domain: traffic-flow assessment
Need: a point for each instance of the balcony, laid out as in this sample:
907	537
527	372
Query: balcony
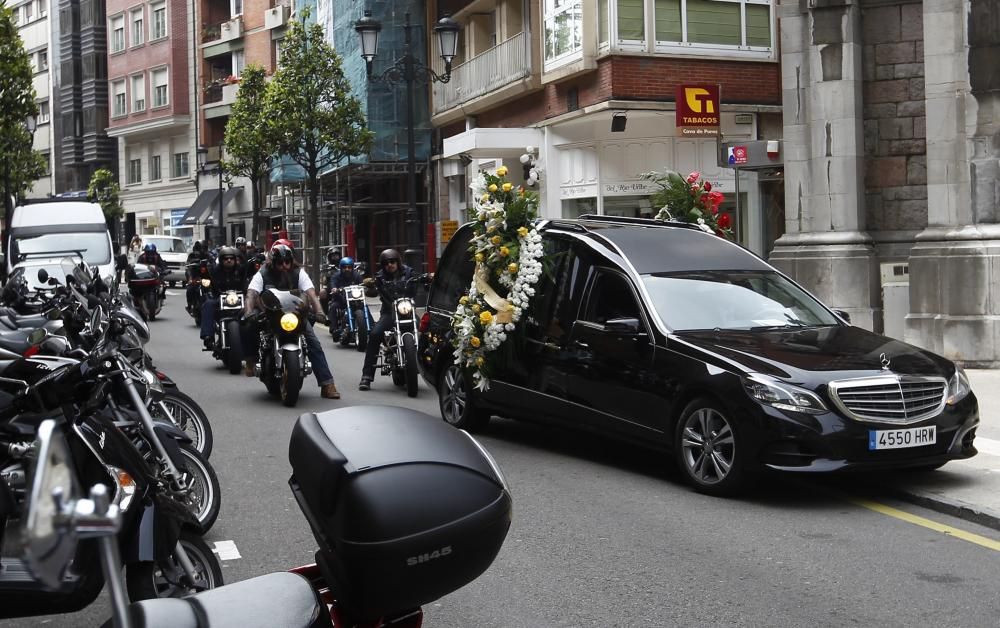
506	64
275	17
223	37
219	98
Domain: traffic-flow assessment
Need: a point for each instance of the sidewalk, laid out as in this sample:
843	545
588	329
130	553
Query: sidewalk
969	489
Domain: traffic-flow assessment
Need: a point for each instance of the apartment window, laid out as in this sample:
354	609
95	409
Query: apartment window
118	33
700	24
158	27
239	62
563	30
159	80
43	8
43	112
48	161
631	20
154	168
138	30
26	13
139	93
118	99
135	170
43	60
235	7
180	166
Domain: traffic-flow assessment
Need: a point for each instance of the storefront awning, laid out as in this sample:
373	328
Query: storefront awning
484	143
205	207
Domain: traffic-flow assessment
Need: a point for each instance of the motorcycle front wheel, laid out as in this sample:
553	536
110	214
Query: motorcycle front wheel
410	365
234	354
149	580
185	413
151	304
291	378
361	321
268	375
205	489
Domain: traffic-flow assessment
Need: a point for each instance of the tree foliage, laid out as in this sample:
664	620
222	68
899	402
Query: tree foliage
317	122
105	191
250	140
20	164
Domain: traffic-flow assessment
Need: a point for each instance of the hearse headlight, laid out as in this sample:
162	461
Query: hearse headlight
782	396
958	387
404	308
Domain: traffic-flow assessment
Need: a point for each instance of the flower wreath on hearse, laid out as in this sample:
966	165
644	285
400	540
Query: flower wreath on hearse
507	250
690	199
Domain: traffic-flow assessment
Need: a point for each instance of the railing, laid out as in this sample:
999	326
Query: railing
501	65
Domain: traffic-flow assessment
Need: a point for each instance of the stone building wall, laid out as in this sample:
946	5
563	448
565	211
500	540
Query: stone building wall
894	117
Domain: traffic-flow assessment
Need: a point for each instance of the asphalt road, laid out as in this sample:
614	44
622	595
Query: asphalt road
603	534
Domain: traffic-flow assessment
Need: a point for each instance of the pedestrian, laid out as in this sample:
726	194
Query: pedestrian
283	272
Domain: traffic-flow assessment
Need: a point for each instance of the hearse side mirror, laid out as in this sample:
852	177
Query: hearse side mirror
844	315
43	275
624	326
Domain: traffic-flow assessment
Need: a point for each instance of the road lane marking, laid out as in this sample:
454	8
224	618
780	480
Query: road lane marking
226	550
987	445
927	523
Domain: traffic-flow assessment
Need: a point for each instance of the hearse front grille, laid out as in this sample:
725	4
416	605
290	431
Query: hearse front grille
898	399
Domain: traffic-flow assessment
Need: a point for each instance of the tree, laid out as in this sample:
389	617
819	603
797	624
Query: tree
250	137
20	165
318	123
104	190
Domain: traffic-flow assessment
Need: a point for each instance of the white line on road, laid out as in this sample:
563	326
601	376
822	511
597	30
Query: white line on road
226	550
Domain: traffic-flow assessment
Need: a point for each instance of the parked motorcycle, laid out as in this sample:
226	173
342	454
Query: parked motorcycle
355	320
283	362
398	353
378	560
146	287
228	347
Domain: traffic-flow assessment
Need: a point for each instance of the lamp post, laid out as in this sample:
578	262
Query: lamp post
204	168
407	69
30	124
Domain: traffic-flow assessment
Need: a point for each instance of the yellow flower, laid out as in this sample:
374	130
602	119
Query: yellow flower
512	268
507	187
485	197
496	239
463	300
480	361
479	257
504	251
486	318
475	308
493	187
502	171
474	341
522	231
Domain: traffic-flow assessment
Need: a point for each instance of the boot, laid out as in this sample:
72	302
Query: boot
329	391
250	370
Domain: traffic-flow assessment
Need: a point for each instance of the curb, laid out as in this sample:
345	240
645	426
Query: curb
949	506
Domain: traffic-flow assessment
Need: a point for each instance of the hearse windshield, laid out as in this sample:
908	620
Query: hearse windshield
735	299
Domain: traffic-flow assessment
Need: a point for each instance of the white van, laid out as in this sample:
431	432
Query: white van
173	252
41	234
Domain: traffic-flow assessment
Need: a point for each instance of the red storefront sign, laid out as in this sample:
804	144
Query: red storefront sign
698	110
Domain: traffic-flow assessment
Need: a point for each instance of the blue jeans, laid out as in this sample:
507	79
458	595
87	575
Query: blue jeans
315	351
208	311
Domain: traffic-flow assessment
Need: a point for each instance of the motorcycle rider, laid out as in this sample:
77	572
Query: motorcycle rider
226	275
346	276
150	257
194	260
394	277
283	273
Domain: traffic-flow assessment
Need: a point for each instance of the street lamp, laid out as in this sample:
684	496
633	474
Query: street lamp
409	70
202	153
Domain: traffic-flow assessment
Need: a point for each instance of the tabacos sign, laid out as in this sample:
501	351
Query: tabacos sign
698	110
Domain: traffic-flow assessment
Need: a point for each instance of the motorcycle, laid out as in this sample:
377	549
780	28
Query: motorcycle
398	353
283	362
146	287
228	347
200	277
353	323
378	560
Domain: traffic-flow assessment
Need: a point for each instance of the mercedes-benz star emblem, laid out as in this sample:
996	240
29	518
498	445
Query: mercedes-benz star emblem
885	361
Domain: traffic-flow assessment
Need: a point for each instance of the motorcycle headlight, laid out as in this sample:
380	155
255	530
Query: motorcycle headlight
404	308
232	299
206	283
126	487
289	321
958	387
153	381
782	396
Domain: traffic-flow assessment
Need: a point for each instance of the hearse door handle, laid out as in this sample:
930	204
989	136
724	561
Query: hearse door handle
581	345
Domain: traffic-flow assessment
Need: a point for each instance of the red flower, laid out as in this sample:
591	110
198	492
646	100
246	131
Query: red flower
716	198
694	176
724	221
715	209
708	186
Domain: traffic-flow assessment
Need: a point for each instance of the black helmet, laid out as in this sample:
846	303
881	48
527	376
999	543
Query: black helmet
197	247
282	253
228	251
388	255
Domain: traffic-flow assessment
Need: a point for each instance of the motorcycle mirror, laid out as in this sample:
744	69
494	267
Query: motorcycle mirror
43	275
37	336
49	544
55	282
54	314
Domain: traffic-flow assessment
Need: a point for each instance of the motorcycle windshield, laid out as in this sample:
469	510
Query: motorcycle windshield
280	300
